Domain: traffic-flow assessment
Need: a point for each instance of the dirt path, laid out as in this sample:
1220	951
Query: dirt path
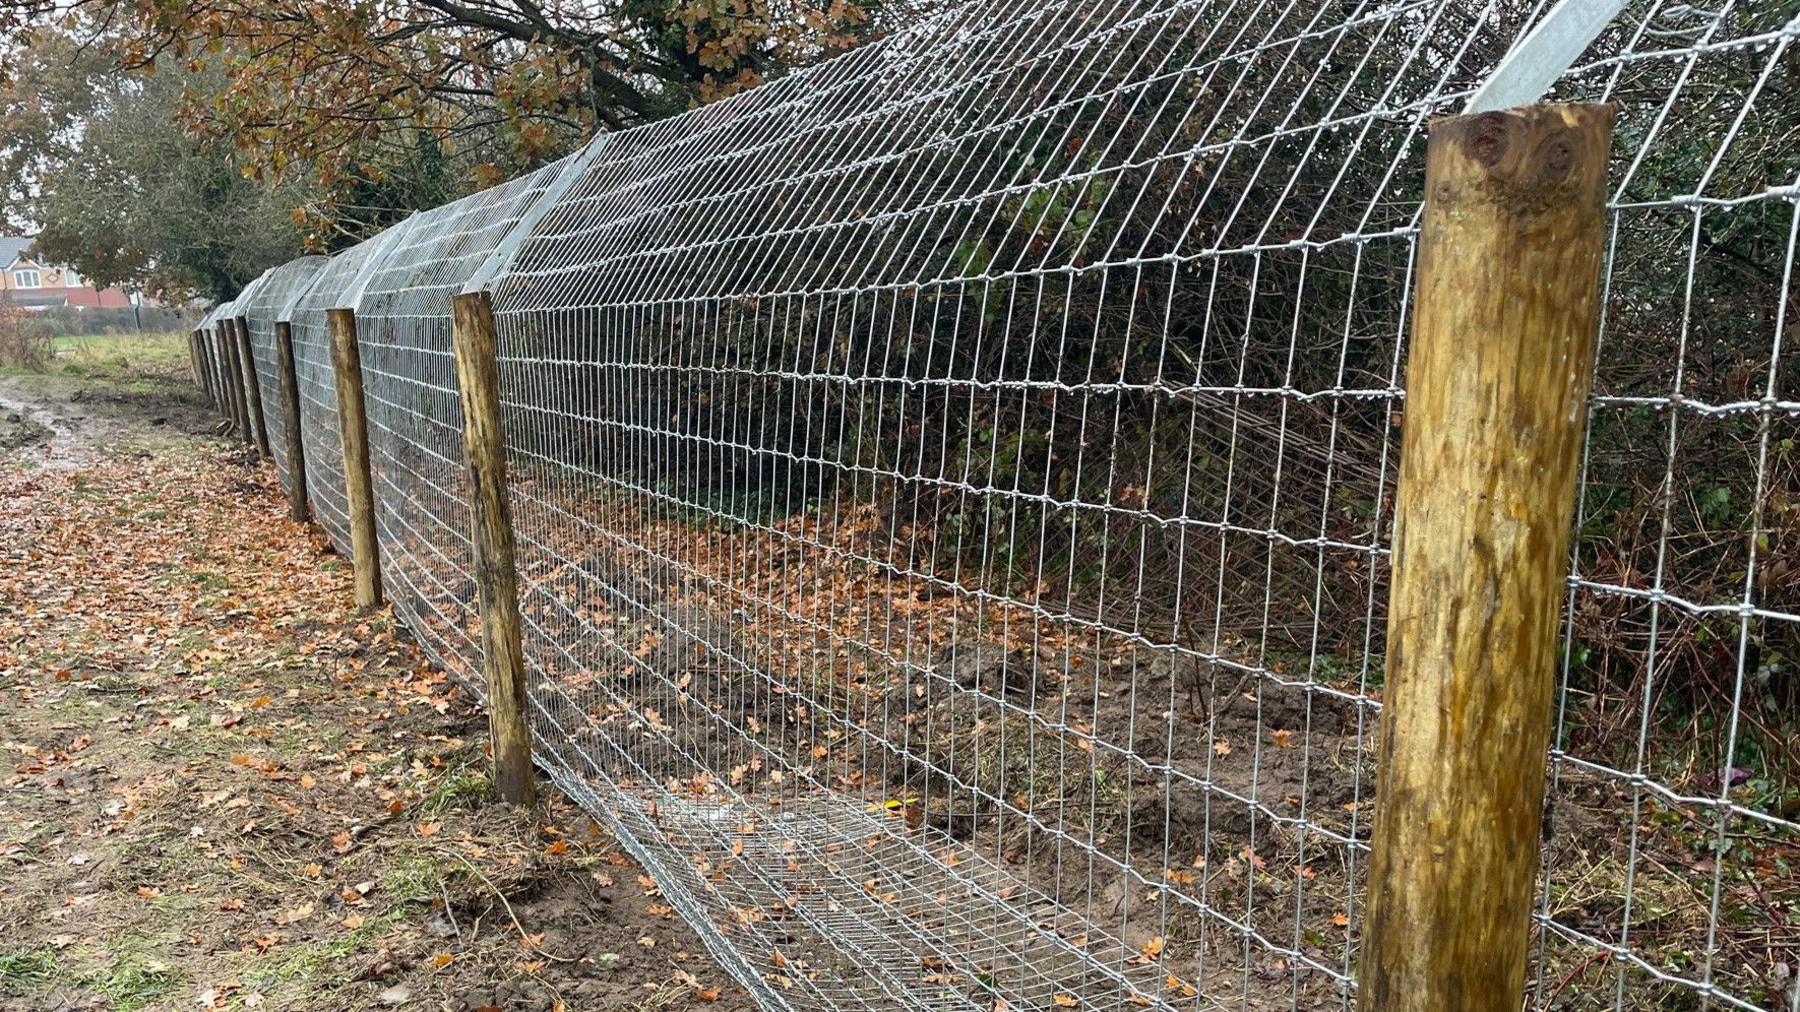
223	789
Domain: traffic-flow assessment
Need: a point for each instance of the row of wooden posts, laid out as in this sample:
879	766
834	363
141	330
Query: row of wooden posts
496	579
1501	351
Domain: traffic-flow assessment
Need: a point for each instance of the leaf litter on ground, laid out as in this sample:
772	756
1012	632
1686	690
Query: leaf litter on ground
224	788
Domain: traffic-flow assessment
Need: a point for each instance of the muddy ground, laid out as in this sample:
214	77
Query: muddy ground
223	788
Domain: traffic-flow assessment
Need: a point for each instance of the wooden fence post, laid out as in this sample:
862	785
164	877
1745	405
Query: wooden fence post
201	373
1497	380
496	574
290	413
353	427
233	379
212	372
253	405
245	380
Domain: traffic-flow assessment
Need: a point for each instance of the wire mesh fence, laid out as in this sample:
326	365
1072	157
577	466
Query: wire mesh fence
953	488
210	338
1674	763
415	423
267	302
335	286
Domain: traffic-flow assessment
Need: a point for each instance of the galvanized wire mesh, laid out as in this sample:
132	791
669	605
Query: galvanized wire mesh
268	302
972	453
953	490
205	351
335	286
415	422
211	340
1674	801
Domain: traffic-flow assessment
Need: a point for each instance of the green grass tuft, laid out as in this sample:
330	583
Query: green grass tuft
26	972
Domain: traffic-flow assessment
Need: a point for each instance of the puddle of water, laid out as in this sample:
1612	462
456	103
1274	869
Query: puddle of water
45	438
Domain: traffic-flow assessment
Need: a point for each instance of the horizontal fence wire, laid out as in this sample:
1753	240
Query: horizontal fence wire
263	305
415	421
320	438
953	490
213	337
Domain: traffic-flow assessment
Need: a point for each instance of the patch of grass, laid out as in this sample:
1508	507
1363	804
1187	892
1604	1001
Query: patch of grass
26	972
134	980
122	355
414	878
321	959
205	579
463	787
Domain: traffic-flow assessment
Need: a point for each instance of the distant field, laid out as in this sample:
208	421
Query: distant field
115	354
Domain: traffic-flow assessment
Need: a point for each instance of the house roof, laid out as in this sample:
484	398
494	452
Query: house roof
12	247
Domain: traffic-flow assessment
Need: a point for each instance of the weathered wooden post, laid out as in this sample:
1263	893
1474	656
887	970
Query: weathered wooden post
233	379
496	574
206	378
246	381
290	413
1497	379
253	406
212	371
353	426
194	359
202	373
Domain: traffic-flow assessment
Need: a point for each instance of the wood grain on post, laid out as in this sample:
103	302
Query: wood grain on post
233	379
353	426
253	405
496	574
290	413
1497	378
200	374
212	372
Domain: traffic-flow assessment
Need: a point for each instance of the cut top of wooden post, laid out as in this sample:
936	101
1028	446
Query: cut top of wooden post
496	574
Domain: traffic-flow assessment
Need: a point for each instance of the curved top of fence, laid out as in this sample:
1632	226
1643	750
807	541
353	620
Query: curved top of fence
222	311
441	249
252	291
212	316
1013	139
338	282
273	295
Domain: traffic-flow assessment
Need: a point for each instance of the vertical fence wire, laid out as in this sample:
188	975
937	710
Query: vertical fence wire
320	437
415	420
262	306
953	492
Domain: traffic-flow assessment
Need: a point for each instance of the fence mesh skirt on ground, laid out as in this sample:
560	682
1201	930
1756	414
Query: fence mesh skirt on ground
953	491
